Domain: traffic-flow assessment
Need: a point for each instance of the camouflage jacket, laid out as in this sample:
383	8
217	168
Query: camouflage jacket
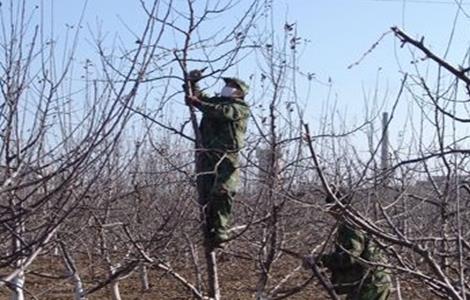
224	122
347	263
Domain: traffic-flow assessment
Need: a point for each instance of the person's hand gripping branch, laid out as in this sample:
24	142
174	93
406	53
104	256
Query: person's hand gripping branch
193	77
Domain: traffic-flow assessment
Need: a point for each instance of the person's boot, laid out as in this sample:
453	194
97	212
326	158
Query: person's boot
219	240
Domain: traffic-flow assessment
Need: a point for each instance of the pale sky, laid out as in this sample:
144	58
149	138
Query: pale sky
340	31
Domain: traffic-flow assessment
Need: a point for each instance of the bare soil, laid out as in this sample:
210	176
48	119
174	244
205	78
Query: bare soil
238	278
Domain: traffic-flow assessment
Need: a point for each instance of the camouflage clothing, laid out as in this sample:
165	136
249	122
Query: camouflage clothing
223	127
350	276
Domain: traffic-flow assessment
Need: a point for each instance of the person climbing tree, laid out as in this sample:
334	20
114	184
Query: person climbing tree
222	128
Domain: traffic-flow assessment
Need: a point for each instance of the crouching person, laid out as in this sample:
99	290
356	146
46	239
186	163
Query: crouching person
354	264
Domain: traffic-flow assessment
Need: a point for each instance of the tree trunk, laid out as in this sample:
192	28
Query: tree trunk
114	288
78	290
18	285
144	279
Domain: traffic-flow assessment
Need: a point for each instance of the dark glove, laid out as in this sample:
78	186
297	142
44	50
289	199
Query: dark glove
309	261
322	260
195	75
192	101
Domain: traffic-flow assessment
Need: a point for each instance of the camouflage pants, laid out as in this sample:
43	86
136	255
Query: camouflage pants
218	181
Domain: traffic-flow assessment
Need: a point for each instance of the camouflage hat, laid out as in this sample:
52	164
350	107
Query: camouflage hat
340	193
240	83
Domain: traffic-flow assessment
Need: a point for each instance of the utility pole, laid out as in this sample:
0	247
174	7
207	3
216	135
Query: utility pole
385	146
382	176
